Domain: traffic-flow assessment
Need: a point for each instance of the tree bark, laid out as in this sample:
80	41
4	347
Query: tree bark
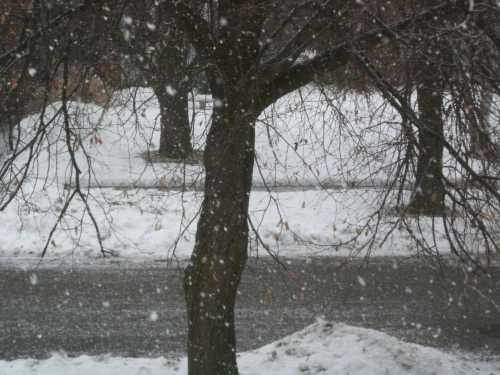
162	54
175	132
220	252
6	138
9	117
481	144
428	198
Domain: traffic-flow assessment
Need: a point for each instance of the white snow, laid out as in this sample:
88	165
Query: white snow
322	348
160	224
303	140
331	156
332	153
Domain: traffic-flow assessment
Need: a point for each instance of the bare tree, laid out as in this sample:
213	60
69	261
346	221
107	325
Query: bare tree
248	70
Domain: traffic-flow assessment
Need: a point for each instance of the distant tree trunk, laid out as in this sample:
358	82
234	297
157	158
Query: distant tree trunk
428	198
175	132
158	48
220	253
10	125
171	79
6	135
9	117
481	144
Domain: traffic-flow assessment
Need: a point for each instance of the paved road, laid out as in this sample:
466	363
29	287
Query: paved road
114	309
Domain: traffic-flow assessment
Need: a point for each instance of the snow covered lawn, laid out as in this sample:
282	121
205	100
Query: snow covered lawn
305	142
322	348
157	224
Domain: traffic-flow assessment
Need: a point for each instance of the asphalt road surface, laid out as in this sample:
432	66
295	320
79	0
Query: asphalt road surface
133	310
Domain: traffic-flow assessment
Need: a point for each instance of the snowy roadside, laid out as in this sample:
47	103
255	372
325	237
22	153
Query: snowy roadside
155	224
323	347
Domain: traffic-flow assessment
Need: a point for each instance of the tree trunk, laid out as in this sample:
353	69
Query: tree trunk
175	132
428	198
6	138
220	252
11	124
9	117
481	144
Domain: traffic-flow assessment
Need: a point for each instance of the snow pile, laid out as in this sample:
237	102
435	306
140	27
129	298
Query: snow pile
324	348
334	348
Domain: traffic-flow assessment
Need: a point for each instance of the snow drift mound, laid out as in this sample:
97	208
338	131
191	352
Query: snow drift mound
322	348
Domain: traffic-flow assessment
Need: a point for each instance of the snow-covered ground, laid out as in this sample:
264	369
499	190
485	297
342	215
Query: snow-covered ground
322	348
331	156
159	224
304	139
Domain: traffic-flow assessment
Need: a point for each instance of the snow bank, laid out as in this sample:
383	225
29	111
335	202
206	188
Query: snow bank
150	223
324	347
